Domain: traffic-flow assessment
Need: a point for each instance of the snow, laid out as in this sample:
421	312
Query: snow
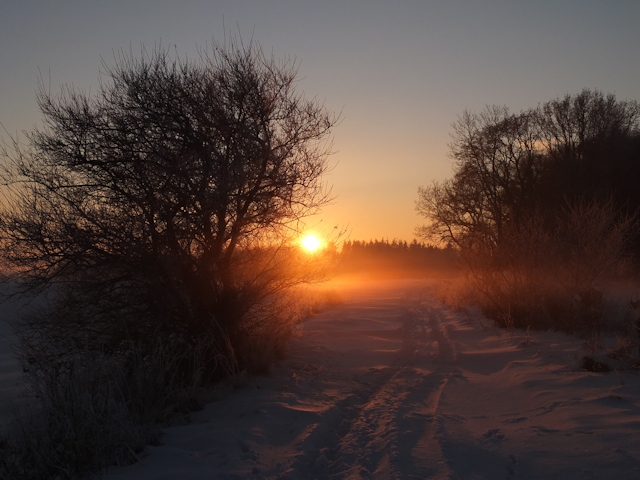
392	384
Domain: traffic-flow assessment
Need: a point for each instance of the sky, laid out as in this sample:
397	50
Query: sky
398	72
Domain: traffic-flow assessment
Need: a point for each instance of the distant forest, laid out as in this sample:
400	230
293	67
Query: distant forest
396	257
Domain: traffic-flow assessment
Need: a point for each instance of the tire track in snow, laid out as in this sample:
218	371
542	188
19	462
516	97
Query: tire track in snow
387	426
375	431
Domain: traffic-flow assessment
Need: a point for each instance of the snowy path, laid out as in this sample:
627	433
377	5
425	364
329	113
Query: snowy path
391	384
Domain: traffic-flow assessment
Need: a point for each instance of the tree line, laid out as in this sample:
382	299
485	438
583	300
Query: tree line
415	258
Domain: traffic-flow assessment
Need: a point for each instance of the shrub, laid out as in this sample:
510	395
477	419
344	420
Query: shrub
88	410
538	276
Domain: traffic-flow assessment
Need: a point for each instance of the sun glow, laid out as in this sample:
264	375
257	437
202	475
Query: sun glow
311	243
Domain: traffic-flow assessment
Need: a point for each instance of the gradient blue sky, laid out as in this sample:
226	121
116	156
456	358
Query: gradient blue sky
399	71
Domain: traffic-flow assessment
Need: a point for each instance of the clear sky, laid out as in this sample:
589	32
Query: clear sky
399	71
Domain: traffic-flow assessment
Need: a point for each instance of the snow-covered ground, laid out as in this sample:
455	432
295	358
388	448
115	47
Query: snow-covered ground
393	385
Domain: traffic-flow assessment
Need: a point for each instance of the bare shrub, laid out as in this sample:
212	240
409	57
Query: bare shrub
635	328
91	403
270	326
512	280
624	347
77	422
593	242
88	410
456	293
314	299
593	239
552	277
266	332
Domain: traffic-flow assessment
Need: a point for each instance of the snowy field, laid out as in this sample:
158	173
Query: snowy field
393	385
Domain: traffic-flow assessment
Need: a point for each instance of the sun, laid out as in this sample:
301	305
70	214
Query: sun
310	242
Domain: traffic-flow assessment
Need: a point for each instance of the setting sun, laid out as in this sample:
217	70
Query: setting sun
310	242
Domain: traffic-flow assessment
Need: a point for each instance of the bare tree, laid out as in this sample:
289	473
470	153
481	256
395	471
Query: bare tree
572	125
166	199
496	161
540	205
591	145
508	166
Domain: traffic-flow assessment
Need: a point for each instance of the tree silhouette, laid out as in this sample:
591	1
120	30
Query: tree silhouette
542	205
162	201
509	166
